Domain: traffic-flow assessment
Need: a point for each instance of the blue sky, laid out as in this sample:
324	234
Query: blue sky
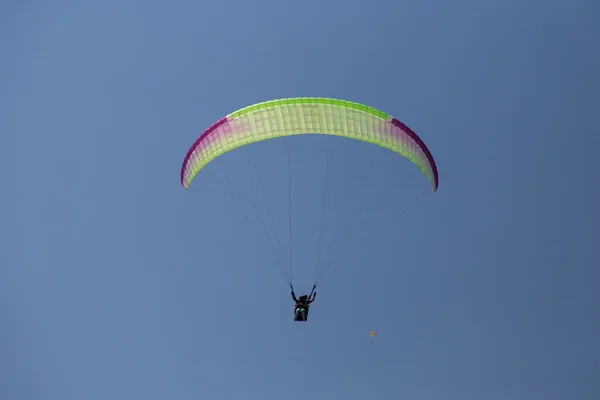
116	283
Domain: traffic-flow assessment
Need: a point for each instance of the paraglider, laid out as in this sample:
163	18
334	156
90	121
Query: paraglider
300	116
371	336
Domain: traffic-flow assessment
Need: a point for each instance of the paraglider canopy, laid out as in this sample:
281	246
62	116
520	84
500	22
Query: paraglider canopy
307	115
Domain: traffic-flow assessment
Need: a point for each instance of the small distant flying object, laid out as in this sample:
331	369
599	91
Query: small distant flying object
371	336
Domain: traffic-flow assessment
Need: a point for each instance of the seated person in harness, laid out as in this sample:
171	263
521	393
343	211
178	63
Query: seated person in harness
302	305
